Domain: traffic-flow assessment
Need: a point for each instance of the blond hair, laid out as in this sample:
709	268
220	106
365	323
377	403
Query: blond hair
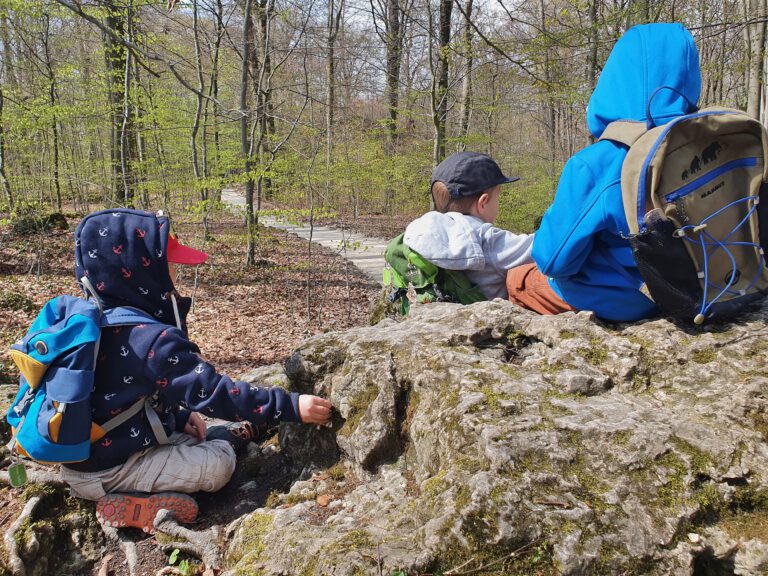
444	203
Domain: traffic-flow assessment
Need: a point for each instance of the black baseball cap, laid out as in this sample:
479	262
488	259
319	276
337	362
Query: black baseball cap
469	173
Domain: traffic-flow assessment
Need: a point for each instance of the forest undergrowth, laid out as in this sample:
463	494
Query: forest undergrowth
243	317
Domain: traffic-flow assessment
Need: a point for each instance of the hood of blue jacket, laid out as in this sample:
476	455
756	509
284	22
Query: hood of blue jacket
122	253
643	59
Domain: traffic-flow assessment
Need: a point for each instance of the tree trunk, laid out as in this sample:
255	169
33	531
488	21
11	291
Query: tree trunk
755	46
394	34
140	143
593	39
116	60
214	92
3	175
245	142
549	102
127	143
466	88
440	82
490	110
266	116
52	102
334	21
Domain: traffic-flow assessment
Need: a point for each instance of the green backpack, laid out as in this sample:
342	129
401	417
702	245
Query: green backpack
413	278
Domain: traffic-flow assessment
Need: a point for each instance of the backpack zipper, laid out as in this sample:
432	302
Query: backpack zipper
706	178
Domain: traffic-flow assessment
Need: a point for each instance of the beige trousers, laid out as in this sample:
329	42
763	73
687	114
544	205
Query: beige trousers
184	465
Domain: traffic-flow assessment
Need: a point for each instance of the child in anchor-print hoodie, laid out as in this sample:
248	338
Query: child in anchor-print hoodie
126	258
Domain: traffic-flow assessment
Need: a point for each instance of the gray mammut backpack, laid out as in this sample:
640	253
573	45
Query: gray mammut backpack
692	191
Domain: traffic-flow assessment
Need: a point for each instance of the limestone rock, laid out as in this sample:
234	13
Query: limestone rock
487	436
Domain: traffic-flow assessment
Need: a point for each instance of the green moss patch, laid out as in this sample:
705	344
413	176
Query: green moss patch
358	406
254	529
704	356
596	354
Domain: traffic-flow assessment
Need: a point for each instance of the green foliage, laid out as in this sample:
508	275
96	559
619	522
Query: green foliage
523	203
186	567
366	172
33	218
16	301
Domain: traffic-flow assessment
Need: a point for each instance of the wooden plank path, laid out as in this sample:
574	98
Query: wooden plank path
365	253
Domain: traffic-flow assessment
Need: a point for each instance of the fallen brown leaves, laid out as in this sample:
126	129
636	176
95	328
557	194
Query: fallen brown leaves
243	317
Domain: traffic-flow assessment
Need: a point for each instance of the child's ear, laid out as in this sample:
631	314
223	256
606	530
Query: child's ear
482	201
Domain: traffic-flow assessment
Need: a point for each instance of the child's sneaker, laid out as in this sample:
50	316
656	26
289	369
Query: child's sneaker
139	511
238	434
242	430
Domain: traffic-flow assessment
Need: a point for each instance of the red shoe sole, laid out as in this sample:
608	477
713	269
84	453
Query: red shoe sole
123	510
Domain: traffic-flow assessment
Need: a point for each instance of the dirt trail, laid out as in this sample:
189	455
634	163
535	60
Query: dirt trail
365	253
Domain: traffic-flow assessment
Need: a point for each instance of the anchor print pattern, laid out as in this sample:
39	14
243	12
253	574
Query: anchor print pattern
122	256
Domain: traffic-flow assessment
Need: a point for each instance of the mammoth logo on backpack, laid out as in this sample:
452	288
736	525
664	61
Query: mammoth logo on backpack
692	191
51	414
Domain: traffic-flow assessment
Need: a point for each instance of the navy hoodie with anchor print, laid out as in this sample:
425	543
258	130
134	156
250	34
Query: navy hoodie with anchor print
120	255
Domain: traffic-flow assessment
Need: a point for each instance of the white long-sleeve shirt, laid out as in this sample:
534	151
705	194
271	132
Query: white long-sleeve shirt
461	242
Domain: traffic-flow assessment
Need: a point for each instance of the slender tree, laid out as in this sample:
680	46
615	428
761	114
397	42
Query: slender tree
3	175
245	138
52	101
390	22
466	87
755	36
440	81
335	12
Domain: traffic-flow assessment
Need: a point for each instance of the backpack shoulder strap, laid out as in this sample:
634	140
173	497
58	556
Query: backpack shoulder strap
128	316
125	316
625	132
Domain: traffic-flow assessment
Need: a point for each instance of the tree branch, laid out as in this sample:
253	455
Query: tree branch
493	45
137	50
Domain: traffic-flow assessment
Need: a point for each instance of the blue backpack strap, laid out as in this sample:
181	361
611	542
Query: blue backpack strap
126	316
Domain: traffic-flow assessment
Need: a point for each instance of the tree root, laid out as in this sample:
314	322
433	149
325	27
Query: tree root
104	568
127	545
169	571
203	545
14	560
36	476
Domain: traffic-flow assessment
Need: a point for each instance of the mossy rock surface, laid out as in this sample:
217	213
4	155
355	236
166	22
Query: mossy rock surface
510	443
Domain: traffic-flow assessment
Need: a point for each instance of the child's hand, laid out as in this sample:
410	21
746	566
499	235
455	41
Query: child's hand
314	410
195	426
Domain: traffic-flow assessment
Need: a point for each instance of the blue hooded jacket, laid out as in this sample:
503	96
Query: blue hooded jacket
121	253
586	221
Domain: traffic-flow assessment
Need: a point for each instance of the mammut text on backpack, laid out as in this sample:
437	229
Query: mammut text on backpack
692	192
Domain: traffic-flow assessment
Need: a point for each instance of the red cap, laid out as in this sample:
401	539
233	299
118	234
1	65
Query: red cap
180	254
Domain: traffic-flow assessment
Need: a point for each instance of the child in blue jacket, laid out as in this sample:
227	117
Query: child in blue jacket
151	461
581	246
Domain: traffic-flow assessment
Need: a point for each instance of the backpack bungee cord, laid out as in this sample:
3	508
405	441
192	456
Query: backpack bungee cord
708	248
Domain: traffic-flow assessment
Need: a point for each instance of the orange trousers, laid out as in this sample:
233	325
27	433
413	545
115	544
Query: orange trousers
530	289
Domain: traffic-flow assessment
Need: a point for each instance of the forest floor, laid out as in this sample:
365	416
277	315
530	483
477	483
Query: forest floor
243	317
